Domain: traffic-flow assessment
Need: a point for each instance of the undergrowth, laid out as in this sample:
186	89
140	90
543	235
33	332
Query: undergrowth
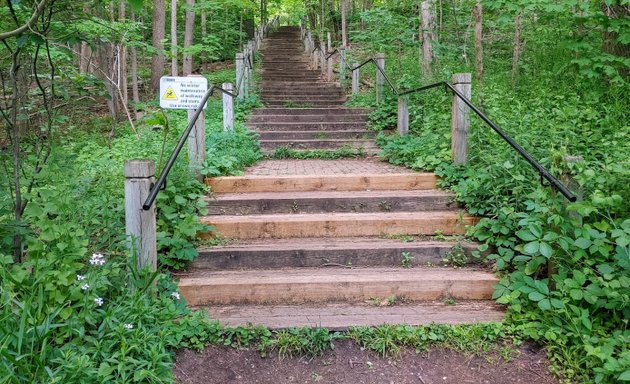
324	154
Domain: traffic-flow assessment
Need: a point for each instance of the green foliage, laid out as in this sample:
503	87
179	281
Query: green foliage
229	152
339	153
309	342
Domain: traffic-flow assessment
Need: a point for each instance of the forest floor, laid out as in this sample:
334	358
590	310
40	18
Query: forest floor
348	363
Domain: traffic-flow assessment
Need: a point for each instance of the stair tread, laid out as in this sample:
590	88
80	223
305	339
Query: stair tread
334	274
326	243
327	194
341	316
337	216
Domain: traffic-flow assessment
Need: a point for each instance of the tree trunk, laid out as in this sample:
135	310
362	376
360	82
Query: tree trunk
122	75
188	36
611	43
173	37
159	23
426	25
478	13
204	32
134	77
518	47
344	14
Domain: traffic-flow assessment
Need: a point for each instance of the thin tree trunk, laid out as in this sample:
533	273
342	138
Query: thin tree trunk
204	33
188	36
478	13
174	37
344	14
124	87
159	23
134	77
427	37
518	46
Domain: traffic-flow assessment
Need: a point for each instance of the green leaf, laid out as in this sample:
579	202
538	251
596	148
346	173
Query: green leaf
576	294
545	249
625	376
531	248
526	235
557	303
582	243
536	296
545	304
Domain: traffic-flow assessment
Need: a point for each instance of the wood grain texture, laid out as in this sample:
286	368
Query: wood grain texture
348	182
140	224
460	119
323	285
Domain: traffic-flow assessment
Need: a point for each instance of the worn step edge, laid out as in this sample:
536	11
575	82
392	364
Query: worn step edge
347	182
320	252
303	285
342	316
338	224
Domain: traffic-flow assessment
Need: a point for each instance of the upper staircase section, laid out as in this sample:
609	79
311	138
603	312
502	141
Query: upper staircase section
303	111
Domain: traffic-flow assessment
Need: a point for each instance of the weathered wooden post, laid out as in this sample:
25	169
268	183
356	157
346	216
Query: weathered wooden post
380	79
322	56
403	115
342	65
460	119
228	108
240	74
355	78
197	141
329	45
329	67
140	224
315	57
246	72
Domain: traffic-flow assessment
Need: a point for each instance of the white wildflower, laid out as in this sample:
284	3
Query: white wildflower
98	301
128	326
80	277
175	295
97	259
85	287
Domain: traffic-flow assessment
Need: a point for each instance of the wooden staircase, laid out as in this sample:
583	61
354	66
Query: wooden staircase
303	111
335	243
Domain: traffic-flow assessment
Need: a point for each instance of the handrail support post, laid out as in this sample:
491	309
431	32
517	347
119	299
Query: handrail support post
240	74
228	108
140	227
460	118
403	115
380	79
355	78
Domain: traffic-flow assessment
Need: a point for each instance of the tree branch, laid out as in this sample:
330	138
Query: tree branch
29	23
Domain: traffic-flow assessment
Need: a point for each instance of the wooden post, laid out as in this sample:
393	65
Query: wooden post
380	79
460	120
329	46
247	71
315	56
240	68
355	78
197	142
140	224
322	56
403	115
342	66
329	68
228	108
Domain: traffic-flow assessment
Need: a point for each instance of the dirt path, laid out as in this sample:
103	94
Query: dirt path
349	364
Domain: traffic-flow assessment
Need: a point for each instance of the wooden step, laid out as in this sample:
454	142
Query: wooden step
324	285
328	126
342	111
321	252
320	144
316	135
329	201
342	316
299	118
338	224
347	182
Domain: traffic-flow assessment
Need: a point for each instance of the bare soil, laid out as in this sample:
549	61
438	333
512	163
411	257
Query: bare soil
351	364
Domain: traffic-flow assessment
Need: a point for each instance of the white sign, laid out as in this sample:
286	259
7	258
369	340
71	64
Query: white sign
182	92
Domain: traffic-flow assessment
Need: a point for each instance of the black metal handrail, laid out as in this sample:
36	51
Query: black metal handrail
544	173
155	188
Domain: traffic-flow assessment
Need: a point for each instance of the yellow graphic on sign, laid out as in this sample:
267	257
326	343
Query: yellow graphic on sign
170	94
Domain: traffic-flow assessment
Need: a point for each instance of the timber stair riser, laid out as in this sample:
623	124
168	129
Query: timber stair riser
309	135
329	144
305	118
319	202
318	253
337	225
335	285
311	111
320	126
358	182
